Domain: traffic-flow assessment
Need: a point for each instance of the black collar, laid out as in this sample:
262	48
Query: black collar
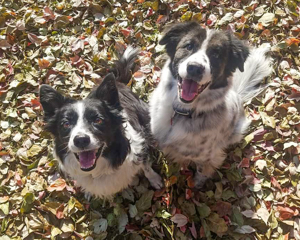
183	112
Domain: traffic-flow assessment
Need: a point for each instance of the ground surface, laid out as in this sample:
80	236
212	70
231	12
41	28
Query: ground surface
67	44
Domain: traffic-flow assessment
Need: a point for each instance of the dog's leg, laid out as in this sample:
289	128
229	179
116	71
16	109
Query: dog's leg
153	177
206	169
204	172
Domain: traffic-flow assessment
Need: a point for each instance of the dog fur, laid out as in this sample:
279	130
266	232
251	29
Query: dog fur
198	126
103	141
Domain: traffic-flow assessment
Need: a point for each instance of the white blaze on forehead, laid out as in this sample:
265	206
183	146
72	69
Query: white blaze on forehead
79	127
206	41
82	127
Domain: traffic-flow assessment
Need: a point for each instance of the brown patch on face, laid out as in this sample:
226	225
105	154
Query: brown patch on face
226	53
217	52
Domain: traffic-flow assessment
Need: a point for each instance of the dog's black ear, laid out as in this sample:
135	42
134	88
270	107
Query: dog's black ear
173	33
51	100
238	53
107	90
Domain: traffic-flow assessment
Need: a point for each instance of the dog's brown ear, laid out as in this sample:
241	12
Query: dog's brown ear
173	33
238	53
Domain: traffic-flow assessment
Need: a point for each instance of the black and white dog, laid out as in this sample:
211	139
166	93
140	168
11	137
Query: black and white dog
103	141
197	109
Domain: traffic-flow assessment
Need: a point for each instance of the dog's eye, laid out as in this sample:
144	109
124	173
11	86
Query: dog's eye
189	46
98	120
66	124
215	54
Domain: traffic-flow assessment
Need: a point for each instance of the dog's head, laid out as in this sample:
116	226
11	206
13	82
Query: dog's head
86	128
201	58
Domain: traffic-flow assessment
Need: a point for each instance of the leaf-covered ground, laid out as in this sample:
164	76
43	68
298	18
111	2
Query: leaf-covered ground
70	45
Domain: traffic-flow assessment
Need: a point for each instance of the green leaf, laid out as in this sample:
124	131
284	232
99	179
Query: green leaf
27	202
206	229
100	225
188	208
34	150
128	194
203	210
268	120
132	211
186	16
217	224
163	214
145	201
111	220
237	216
4	207
227	194
122	222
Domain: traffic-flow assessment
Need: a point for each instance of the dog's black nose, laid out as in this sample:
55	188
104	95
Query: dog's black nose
82	141
195	69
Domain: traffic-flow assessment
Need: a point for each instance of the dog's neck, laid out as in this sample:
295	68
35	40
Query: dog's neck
187	112
118	150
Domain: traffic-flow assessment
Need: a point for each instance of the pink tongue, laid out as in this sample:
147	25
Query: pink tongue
189	89
87	159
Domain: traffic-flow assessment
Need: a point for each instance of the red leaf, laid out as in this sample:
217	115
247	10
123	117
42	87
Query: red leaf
43	63
34	39
159	193
202	232
18	179
267	145
259	134
285	213
35	103
244	163
60	211
222	208
42	194
188	194
193	230
48	14
190	182
291	41
58	185
275	183
126	32
180	219
161	19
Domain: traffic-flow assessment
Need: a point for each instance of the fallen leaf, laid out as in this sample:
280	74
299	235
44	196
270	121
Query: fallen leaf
179	219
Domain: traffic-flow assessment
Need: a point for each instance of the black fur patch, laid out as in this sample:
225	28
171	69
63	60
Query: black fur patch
226	53
106	102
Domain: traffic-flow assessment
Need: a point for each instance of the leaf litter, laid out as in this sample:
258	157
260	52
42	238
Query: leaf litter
70	45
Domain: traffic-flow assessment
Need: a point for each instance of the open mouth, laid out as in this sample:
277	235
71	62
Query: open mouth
88	159
188	89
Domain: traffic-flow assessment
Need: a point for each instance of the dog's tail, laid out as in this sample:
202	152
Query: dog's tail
122	67
257	66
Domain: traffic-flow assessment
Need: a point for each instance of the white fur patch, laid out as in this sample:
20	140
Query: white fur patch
104	181
80	128
218	119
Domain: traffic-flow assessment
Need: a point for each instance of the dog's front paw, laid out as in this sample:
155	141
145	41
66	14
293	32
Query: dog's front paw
156	180
200	180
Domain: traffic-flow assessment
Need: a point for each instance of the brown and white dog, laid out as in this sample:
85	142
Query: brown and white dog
197	109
